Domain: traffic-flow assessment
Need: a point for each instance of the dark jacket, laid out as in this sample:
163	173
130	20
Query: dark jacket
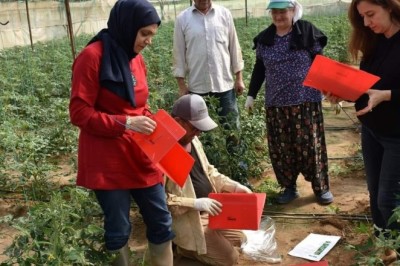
384	63
304	35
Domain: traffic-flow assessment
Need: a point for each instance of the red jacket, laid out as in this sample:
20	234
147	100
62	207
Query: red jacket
108	158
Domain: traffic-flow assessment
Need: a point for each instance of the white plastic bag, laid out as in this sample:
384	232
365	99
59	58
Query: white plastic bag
261	244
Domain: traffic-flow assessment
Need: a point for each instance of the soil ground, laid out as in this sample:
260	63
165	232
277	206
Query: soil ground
347	184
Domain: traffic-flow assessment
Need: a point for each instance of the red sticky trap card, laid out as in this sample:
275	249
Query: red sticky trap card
339	79
163	149
176	164
239	211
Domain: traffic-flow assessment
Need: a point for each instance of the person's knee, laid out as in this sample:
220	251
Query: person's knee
231	258
225	257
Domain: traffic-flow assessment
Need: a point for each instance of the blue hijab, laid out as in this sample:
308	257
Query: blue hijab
126	18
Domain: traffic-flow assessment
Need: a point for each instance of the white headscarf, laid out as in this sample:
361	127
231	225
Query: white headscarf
298	11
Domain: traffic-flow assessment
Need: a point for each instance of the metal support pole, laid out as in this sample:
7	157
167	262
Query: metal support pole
29	22
70	28
245	9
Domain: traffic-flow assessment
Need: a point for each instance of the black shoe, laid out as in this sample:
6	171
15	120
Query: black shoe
287	195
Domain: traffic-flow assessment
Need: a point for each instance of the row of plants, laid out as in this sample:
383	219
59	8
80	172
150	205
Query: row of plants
36	138
35	130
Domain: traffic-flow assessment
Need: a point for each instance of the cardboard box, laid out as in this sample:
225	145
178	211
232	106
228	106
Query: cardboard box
239	211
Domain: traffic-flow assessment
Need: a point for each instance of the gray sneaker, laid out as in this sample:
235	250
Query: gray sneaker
325	197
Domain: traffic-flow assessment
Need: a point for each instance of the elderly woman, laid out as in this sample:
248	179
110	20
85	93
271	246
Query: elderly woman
295	126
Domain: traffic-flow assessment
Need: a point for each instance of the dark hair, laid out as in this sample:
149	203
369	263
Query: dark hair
362	39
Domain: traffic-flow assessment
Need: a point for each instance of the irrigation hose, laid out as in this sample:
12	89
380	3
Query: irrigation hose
306	216
346	158
341	128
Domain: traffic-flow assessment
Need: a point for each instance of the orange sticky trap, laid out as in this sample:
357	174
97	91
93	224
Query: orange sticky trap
239	211
176	164
163	149
339	79
164	137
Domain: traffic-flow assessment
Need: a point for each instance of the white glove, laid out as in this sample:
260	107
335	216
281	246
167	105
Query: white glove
211	206
242	189
249	103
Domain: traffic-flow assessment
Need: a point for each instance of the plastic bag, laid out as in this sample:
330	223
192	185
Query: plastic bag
261	244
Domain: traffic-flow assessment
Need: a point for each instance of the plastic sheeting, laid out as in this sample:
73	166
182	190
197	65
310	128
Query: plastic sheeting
48	18
261	244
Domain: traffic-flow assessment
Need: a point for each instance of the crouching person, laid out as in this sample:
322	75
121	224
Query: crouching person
190	206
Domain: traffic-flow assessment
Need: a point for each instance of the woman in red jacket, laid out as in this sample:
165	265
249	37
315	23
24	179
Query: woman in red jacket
108	104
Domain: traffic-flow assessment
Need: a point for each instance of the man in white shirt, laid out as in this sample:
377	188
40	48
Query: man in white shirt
208	59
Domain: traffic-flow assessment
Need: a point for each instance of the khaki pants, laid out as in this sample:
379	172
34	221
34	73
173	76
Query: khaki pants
220	246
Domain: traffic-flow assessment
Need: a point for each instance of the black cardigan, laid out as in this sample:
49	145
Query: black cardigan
385	63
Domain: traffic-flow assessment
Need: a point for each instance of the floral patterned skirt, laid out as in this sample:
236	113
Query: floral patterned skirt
296	142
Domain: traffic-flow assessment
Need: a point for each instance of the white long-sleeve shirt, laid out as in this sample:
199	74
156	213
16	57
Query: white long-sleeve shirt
206	49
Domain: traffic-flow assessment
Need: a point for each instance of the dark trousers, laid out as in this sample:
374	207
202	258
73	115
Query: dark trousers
228	110
382	165
152	204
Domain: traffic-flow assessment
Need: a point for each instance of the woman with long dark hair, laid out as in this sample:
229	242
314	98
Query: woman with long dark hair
375	39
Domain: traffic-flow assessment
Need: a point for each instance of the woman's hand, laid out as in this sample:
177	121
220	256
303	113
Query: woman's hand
141	124
249	103
375	98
